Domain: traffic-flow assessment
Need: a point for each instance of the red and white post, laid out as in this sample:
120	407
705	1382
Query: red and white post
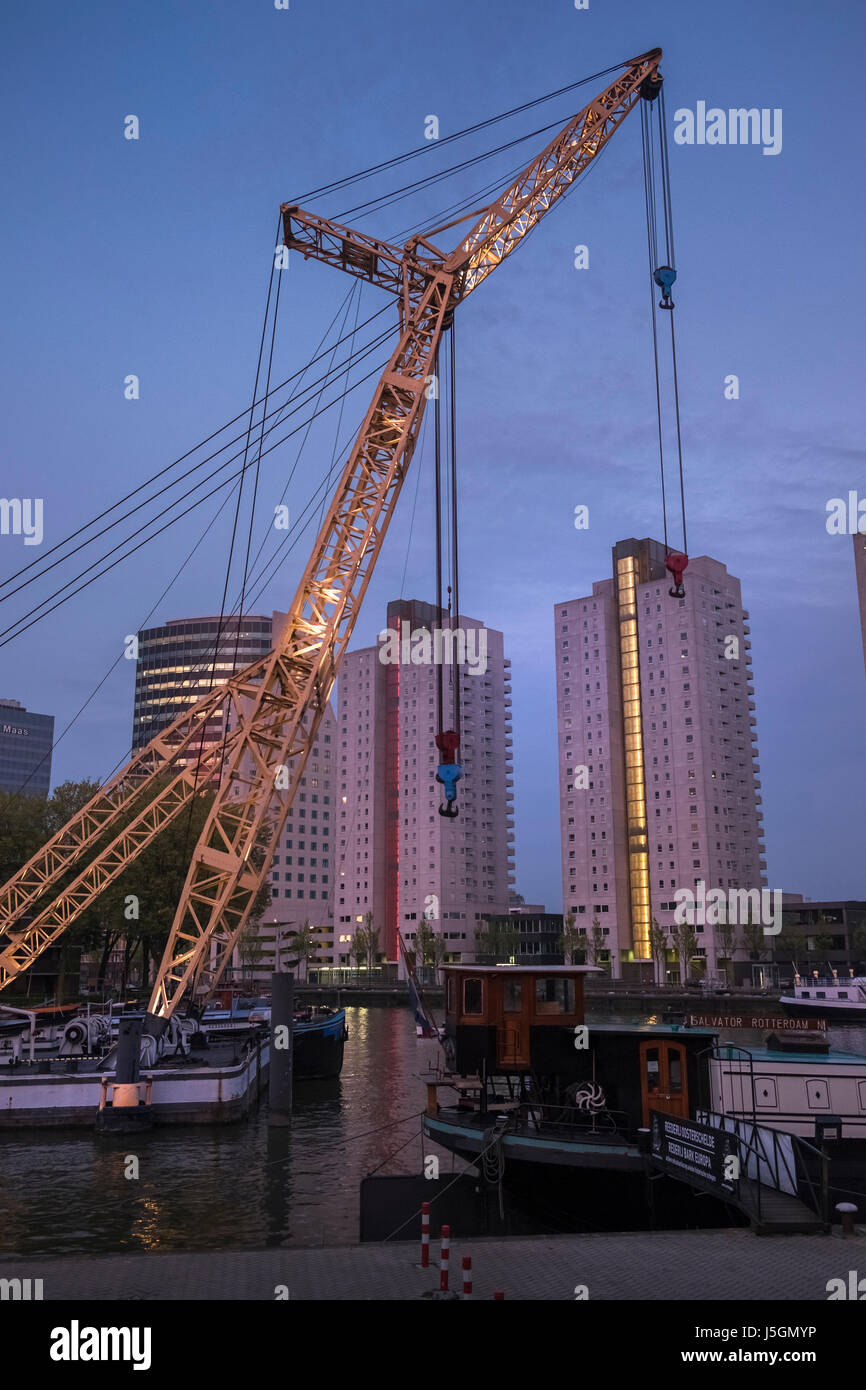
467	1276
425	1235
444	1258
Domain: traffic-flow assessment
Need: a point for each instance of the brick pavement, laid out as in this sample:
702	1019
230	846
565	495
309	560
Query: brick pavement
669	1265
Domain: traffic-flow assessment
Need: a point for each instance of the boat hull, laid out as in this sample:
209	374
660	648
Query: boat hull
318	1048
588	1184
824	1008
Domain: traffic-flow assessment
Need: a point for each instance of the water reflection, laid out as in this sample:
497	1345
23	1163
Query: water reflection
247	1186
238	1186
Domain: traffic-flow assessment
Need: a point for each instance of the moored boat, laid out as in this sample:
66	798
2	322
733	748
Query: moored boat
531	1091
319	1032
843	1001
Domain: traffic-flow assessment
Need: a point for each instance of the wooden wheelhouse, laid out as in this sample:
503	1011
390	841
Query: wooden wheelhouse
512	1018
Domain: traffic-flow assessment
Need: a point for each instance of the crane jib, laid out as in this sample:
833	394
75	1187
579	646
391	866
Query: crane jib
276	703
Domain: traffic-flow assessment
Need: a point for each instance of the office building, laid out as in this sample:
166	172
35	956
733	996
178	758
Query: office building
26	742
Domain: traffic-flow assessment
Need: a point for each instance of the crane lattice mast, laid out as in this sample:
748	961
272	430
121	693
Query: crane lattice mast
271	710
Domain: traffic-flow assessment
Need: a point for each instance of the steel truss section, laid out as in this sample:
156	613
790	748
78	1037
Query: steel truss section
271	711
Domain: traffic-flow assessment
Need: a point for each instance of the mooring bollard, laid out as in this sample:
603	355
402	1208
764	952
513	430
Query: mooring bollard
848	1211
444	1257
425	1235
467	1276
500	1293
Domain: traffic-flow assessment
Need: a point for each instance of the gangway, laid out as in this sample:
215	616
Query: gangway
780	1182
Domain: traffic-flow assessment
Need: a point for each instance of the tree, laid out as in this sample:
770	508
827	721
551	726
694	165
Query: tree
498	939
572	942
305	946
787	946
596	943
686	942
858	939
372	939
726	935
429	946
138	907
359	946
249	950
659	948
754	941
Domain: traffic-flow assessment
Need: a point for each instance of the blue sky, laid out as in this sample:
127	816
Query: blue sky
151	257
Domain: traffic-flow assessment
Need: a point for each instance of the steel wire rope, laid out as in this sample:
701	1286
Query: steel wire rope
196	670
189	452
436	1196
669	234
456	135
8	634
282	411
397	195
155	477
651	257
455	550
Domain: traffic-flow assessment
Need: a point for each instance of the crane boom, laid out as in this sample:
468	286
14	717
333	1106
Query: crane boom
273	708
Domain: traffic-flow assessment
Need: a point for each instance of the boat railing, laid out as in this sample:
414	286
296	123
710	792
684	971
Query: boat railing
567	1118
778	1160
809	982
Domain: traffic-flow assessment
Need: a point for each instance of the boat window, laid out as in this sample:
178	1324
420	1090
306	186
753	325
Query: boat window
554	996
472	996
513	996
805	994
449	995
842	994
820	994
675	1069
652	1069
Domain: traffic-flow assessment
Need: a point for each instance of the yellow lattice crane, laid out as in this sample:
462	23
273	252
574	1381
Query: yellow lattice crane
271	710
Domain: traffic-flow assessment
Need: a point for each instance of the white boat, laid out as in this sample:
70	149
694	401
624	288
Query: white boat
835	998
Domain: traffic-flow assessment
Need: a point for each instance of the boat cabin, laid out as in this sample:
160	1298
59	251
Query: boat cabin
519	1019
511	1018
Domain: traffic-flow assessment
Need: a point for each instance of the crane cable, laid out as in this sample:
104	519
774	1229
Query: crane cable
447	740
657	174
455	551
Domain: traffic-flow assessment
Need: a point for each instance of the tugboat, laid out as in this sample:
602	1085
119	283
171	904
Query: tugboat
610	1117
516	1047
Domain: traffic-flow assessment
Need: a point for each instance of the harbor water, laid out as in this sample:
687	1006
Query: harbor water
246	1186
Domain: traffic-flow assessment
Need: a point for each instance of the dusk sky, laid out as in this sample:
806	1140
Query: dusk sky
151	257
